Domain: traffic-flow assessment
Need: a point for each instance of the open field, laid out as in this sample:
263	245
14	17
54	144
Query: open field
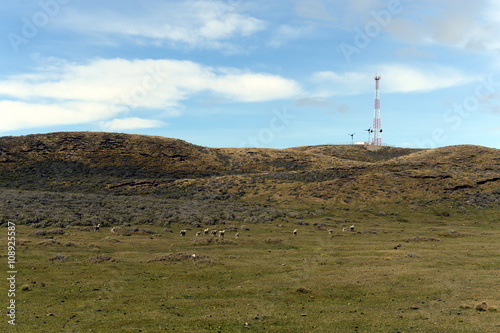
422	257
406	272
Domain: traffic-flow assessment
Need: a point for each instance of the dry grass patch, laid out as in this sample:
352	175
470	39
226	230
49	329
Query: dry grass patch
273	241
110	240
213	241
422	239
42	233
101	258
59	258
176	257
485	307
49	242
454	234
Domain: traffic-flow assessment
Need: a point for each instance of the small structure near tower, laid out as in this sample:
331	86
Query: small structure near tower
377	124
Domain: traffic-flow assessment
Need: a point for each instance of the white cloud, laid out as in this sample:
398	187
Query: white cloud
194	23
330	83
314	9
129	124
322	103
462	24
414	52
401	78
250	87
286	33
105	88
395	77
470	25
22	115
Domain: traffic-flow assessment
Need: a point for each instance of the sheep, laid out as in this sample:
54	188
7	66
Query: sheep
214	232
237	235
351	227
97	227
330	231
344	229
295	232
221	233
182	232
206	231
114	230
198	233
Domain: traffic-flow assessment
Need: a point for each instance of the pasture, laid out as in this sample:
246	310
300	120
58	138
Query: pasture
412	273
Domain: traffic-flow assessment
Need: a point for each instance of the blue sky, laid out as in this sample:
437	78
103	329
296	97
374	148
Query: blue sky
254	73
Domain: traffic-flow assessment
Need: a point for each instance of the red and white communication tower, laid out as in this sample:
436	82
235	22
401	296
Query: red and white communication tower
377	124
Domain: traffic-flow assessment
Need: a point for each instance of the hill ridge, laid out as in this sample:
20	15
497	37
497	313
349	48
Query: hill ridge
134	164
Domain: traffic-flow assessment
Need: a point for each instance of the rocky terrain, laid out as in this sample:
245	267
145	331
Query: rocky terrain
112	167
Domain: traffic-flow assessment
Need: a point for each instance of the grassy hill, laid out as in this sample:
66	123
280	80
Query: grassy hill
299	177
421	256
139	154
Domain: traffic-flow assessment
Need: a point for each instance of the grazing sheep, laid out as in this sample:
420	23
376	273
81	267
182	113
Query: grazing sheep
295	232
206	231
237	235
114	230
198	233
221	233
214	232
344	229
182	232
330	231
351	227
97	227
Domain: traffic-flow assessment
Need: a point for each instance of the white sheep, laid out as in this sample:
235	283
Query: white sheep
214	232
330	231
351	227
97	227
114	230
295	232
183	232
221	233
206	231
344	229
198	233
237	235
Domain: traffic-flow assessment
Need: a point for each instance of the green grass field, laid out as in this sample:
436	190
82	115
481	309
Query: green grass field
406	273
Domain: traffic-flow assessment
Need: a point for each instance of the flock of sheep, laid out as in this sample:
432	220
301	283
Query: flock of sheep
214	233
220	233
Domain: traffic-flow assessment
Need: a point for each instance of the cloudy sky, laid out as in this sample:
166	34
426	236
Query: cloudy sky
231	73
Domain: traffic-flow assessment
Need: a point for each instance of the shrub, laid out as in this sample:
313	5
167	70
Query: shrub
100	258
171	257
59	258
55	232
39	233
303	290
421	239
212	241
301	222
453	233
273	241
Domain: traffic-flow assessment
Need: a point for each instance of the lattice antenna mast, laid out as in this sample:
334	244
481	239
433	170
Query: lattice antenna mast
377	124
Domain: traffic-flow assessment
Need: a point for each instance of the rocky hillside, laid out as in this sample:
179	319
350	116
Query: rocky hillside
107	157
321	175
